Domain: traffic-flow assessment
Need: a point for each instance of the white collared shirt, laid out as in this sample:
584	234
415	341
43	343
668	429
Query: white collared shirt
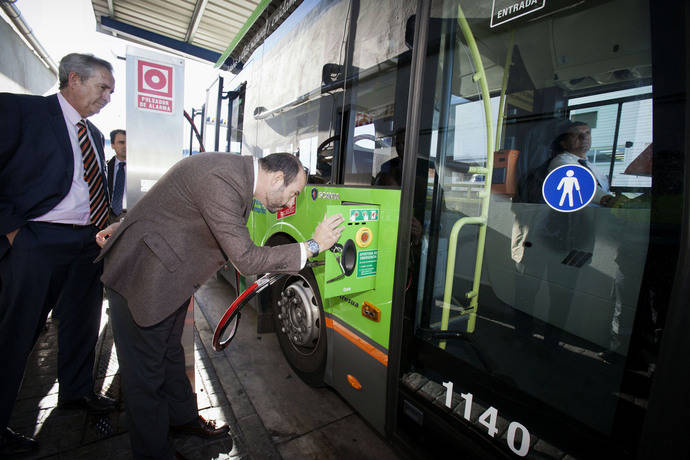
74	207
567	158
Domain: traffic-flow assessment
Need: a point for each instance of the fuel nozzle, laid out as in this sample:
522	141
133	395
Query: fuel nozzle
347	259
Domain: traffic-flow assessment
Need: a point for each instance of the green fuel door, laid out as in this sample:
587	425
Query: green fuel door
351	266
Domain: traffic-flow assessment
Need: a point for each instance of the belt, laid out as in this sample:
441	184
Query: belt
59	224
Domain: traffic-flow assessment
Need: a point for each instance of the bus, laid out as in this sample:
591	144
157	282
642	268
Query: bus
465	311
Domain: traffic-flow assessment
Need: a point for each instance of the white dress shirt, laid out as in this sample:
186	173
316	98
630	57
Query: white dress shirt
567	158
74	207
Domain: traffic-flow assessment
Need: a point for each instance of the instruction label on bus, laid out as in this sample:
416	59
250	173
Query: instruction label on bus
366	263
364	215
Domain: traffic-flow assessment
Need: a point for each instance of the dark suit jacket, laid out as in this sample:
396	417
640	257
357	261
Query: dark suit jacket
111	173
36	159
178	233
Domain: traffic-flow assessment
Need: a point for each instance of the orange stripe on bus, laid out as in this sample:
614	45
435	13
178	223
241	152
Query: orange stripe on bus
358	341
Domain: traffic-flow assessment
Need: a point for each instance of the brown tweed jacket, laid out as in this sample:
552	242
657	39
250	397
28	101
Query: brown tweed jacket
179	232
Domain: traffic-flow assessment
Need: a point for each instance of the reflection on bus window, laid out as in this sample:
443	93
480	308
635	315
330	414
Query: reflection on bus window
557	291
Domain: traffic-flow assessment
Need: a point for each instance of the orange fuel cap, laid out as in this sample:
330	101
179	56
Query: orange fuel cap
371	312
363	237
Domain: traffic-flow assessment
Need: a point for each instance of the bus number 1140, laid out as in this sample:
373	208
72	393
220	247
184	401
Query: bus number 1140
489	419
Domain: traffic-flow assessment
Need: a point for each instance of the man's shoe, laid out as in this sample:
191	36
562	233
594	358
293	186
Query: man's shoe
14	443
202	428
93	403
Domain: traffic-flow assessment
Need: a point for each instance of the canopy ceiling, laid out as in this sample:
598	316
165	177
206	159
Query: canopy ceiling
225	32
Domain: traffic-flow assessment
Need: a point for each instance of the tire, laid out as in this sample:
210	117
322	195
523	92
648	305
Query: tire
299	322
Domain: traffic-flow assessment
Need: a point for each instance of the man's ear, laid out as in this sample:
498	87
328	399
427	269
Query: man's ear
278	179
73	77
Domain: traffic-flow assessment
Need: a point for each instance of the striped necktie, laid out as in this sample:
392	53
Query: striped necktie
98	199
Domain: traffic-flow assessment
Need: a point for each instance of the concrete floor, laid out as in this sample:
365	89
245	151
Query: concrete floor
272	414
278	415
76	434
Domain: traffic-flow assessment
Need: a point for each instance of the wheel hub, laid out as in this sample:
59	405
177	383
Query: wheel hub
299	314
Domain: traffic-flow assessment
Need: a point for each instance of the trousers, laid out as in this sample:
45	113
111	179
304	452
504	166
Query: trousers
49	267
156	389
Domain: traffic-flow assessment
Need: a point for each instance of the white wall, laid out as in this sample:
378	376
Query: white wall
21	71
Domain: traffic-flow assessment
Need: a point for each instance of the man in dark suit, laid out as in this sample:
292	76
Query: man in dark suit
52	203
117	170
172	241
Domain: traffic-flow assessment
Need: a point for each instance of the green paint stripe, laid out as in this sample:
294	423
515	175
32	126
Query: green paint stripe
243	31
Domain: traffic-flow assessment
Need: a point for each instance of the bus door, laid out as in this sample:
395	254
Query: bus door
347	128
550	228
368	114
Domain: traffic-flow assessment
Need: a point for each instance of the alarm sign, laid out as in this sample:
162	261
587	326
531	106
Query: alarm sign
155	79
154	87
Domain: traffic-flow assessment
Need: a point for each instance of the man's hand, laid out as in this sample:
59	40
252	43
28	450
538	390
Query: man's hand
103	235
326	234
10	236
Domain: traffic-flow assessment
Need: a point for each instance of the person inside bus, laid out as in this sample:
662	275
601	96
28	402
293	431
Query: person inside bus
571	147
543	238
390	175
173	239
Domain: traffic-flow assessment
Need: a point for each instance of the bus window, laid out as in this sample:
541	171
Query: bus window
628	113
532	311
377	67
370	147
294	91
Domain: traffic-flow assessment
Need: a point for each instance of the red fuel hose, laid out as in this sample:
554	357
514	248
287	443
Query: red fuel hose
233	310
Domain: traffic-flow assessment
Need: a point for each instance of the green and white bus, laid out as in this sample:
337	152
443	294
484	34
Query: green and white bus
465	315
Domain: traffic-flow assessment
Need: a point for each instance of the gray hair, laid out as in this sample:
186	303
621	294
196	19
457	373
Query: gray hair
81	64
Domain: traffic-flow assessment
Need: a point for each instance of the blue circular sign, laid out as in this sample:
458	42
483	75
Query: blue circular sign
569	188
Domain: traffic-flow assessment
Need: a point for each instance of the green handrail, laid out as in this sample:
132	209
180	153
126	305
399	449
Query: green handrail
485	196
504	86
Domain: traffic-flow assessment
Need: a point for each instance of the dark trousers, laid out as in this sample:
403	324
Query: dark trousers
156	389
49	267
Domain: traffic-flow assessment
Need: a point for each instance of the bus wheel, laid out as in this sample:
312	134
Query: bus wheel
300	327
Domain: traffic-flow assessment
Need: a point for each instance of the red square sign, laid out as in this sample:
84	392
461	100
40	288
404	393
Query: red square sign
289	210
155	79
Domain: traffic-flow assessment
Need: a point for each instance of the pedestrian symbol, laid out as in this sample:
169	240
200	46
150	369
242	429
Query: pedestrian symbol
569	188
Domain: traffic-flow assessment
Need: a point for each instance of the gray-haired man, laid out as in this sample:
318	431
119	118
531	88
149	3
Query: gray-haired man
53	200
